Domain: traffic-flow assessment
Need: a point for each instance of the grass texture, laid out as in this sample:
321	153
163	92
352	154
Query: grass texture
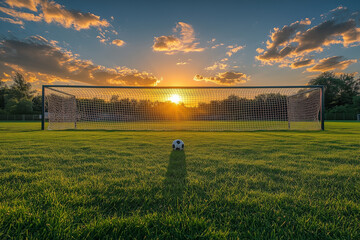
225	185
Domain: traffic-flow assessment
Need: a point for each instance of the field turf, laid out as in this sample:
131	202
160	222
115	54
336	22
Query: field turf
226	185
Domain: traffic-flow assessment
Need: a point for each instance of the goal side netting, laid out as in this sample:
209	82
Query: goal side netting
188	108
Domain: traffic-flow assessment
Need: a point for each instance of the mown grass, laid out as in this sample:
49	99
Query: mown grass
115	184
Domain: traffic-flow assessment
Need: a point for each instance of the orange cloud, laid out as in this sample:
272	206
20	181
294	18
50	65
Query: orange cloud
184	42
29	4
102	40
217	65
225	78
351	36
181	63
118	42
46	62
331	63
53	12
217	45
21	15
233	49
302	63
296	41
280	44
10	20
212	41
324	34
260	50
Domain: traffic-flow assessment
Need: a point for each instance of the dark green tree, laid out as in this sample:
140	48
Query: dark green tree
11	106
20	88
3	92
339	90
356	103
18	98
37	104
24	106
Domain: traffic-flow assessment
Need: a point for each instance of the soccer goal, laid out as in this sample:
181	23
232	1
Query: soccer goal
183	108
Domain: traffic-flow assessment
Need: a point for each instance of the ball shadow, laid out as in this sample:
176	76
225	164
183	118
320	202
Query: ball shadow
175	179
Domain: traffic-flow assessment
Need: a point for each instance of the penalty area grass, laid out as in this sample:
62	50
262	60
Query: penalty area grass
118	184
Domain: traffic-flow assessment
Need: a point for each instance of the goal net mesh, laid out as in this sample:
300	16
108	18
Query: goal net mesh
193	109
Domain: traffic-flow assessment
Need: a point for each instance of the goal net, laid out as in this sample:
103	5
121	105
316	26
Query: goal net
183	108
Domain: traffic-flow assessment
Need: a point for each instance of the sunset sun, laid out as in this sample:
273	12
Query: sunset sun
175	98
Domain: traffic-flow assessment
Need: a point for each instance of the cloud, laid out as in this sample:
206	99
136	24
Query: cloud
42	60
279	46
326	33
225	78
118	42
222	63
52	12
212	41
181	63
260	50
184	41
169	44
233	49
331	63
10	20
102	40
21	15
217	45
217	65
302	63
297	40
107	40
29	4
186	62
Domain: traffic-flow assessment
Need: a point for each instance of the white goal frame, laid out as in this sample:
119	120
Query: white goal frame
295	109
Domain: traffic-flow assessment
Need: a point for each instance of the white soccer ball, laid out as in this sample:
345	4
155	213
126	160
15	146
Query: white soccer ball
178	145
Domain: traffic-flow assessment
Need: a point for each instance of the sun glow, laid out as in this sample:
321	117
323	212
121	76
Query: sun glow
175	98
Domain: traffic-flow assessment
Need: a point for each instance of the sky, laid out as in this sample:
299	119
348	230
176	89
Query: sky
177	43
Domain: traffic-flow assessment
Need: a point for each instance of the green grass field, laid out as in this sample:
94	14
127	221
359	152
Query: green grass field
226	185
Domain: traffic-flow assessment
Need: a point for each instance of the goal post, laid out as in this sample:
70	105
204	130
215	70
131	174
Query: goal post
183	108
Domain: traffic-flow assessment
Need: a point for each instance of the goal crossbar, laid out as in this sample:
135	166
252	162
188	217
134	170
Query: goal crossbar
180	87
183	108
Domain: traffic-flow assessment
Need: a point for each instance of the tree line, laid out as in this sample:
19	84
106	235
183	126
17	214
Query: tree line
341	95
262	107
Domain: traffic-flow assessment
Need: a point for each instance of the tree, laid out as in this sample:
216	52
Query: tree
351	88
37	104
19	98
3	93
339	90
20	88
11	106
24	106
356	102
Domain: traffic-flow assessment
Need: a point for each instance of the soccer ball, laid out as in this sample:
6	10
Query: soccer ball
178	145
